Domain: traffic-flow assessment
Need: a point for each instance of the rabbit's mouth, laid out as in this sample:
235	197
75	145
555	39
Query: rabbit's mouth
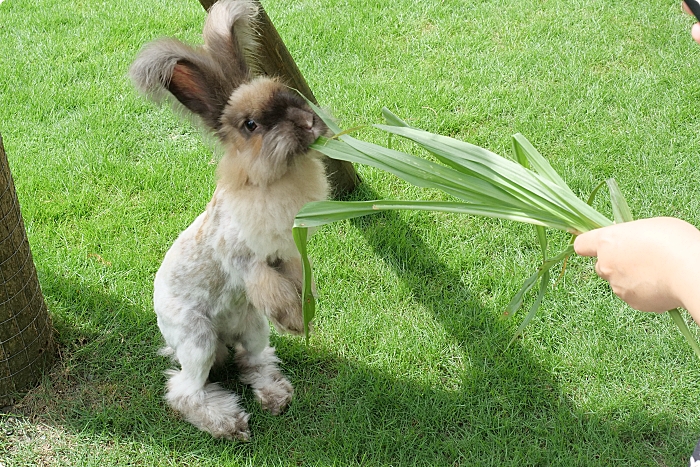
317	131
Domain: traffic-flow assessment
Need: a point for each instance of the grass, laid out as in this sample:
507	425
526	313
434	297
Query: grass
408	364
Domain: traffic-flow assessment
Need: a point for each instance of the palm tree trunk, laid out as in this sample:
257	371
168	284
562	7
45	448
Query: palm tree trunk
26	343
275	60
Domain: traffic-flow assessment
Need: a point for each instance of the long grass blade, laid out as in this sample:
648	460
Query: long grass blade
392	119
323	212
525	150
522	156
517	301
330	123
520	182
525	154
542	237
487	185
416	171
593	194
404	166
544	283
621	211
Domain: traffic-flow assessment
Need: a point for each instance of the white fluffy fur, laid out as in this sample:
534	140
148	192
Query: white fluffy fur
204	289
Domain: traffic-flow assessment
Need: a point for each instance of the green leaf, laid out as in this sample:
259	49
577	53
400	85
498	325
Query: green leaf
427	174
593	194
526	186
544	283
517	301
392	119
323	212
308	301
621	211
486	183
330	123
542	237
524	150
680	323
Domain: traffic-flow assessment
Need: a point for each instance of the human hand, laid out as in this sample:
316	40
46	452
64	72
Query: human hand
695	31
652	264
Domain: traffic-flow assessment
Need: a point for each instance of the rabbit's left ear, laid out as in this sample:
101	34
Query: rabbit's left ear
190	75
191	87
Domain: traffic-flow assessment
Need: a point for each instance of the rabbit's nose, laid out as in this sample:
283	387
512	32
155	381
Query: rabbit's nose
302	118
307	122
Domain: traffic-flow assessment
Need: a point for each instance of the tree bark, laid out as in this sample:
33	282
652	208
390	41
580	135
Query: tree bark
26	342
275	60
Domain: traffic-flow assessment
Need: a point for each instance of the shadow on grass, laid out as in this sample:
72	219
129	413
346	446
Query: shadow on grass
508	410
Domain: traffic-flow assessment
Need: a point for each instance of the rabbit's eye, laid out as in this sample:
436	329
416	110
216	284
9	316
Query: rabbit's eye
250	125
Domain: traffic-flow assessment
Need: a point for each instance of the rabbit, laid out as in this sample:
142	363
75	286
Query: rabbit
236	266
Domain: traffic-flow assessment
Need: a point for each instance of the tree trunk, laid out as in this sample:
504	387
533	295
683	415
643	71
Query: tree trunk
26	343
275	60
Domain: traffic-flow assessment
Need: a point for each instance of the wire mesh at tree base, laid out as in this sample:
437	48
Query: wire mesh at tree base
26	344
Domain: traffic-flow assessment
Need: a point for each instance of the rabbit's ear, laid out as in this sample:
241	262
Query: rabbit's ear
229	37
189	75
197	90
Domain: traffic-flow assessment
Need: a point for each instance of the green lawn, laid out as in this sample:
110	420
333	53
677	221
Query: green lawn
408	364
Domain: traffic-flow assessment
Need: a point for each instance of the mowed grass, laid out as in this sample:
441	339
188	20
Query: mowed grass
409	363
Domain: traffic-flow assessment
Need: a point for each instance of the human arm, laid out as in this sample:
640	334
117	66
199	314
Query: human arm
652	264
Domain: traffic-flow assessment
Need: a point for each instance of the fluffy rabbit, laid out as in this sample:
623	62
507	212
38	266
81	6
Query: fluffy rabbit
236	266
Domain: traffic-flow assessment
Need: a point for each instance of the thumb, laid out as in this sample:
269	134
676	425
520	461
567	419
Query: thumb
587	244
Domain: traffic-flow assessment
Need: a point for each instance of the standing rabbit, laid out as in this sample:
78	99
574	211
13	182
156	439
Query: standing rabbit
236	266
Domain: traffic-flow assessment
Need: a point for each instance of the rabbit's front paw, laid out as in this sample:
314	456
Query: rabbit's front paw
277	296
286	312
292	271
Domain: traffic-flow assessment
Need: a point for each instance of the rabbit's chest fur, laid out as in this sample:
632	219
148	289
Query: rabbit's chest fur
206	265
258	219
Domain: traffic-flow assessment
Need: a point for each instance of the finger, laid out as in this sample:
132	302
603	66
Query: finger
587	244
601	271
696	32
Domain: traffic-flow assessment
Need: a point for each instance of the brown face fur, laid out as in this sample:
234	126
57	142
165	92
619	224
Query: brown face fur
265	127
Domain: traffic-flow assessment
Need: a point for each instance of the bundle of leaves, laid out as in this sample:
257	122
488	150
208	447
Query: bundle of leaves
484	183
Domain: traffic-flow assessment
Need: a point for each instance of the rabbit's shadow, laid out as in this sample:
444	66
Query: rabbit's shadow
345	411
